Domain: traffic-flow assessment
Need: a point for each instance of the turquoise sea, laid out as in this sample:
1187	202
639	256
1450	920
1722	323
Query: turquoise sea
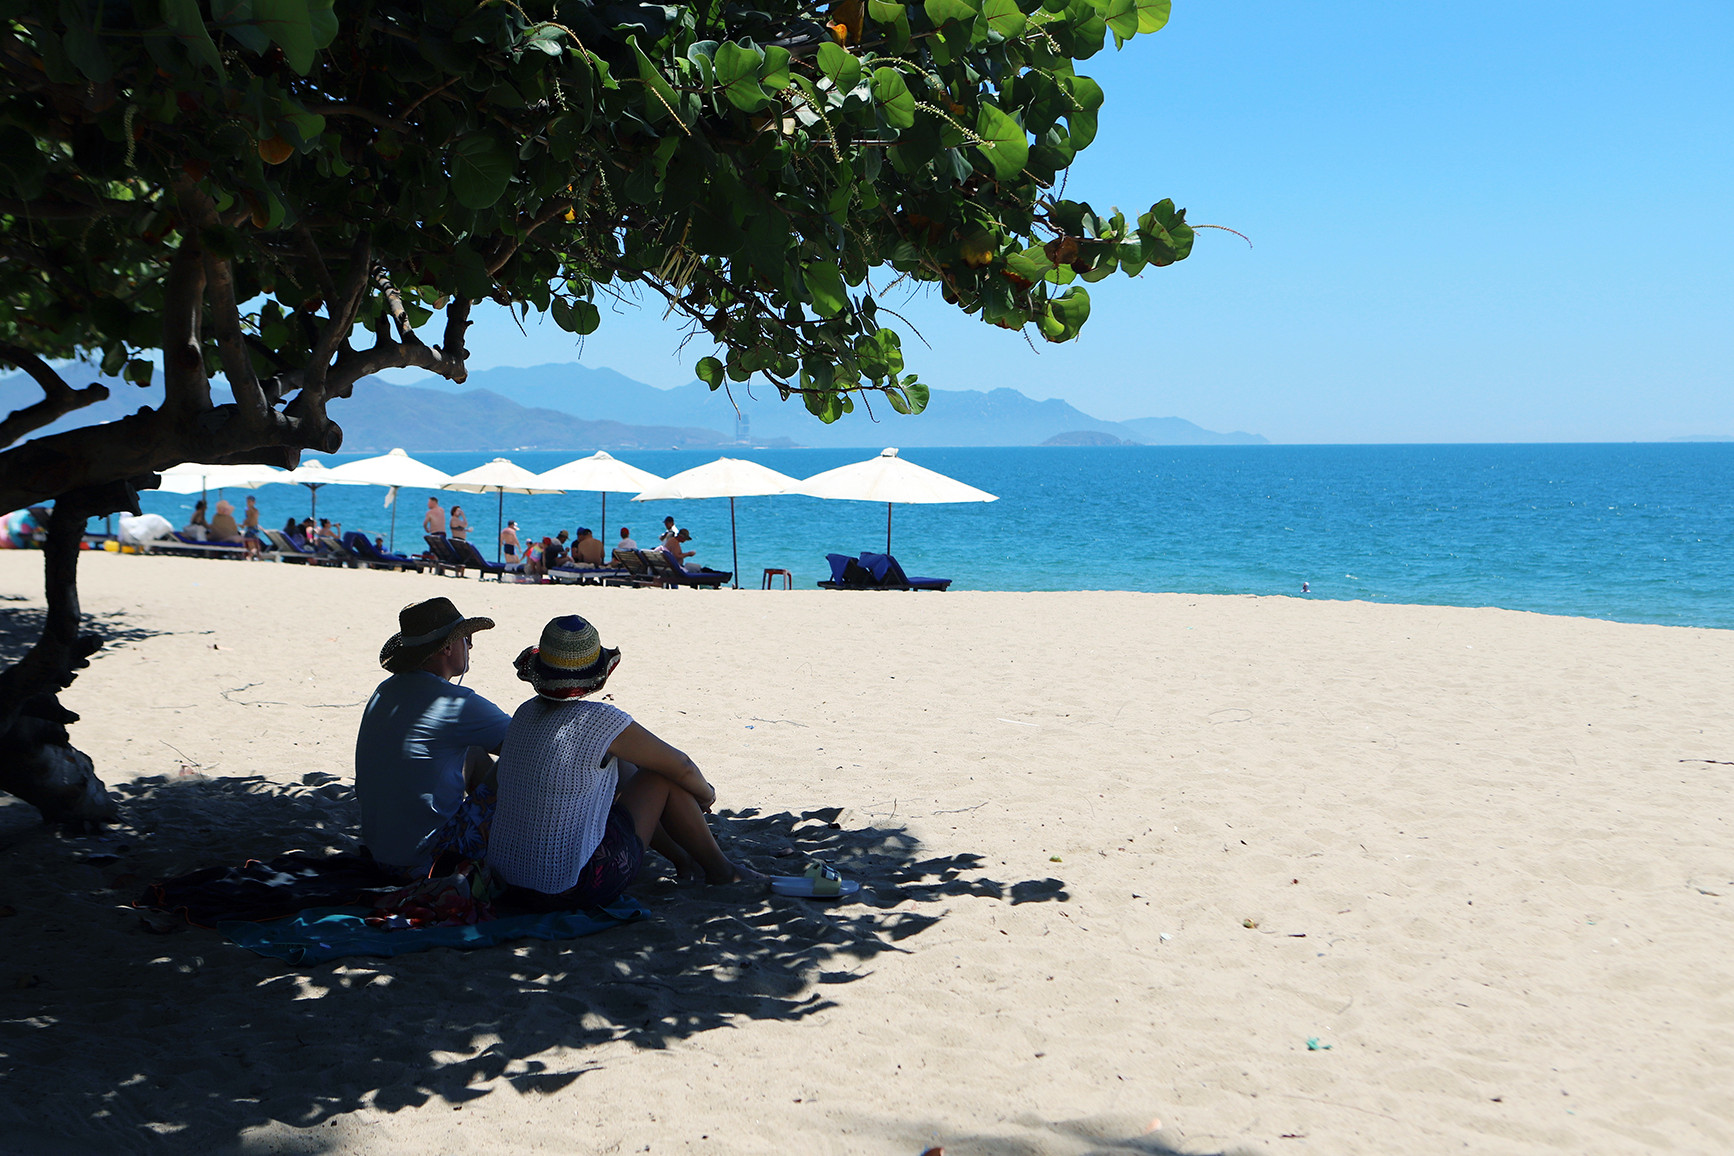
1631	532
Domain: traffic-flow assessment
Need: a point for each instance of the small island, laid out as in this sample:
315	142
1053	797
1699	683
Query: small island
1088	437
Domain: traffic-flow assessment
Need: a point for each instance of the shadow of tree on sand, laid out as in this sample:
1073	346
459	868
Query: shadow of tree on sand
21	626
1035	1136
304	1043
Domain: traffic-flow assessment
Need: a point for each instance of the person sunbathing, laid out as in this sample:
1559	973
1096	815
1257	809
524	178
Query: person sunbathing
583	789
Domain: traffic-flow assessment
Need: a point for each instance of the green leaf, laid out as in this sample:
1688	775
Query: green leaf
234	18
189	25
885	12
1004	17
480	170
1006	147
469	274
1122	18
917	394
659	96
1067	312
894	97
308	124
585	318
942	11
299	27
546	38
1081	121
840	65
825	288
774	73
85	51
737	75
139	372
710	371
1153	15
1032	264
898	399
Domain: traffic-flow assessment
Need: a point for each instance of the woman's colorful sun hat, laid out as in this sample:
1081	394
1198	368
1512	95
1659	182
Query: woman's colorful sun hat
570	661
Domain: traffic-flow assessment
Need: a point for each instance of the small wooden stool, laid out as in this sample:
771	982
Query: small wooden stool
770	573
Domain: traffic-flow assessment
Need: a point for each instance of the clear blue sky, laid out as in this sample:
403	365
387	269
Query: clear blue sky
1507	222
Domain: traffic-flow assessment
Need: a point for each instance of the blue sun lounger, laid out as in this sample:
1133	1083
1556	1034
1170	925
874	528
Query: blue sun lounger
359	545
890	576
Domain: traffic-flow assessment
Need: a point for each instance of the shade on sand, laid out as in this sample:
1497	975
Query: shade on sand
501	477
603	472
889	479
194	478
391	470
729	478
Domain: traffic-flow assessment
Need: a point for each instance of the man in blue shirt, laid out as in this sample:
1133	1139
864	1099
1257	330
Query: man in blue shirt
425	741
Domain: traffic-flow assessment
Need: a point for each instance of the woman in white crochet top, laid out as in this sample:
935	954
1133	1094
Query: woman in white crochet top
583	789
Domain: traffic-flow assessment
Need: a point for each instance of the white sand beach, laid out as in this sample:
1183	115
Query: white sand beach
1141	873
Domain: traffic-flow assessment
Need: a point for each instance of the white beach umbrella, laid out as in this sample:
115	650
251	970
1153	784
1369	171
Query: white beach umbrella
194	478
729	478
311	474
391	471
601	471
889	479
501	477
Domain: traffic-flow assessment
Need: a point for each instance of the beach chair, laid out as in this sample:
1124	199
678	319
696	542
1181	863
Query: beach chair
468	555
847	574
888	575
370	555
663	569
292	549
441	555
187	546
636	568
583	573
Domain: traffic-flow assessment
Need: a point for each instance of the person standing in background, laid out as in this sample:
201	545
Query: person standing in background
509	541
251	535
434	521
460	524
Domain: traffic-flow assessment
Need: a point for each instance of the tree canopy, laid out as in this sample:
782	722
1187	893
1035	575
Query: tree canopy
240	187
232	187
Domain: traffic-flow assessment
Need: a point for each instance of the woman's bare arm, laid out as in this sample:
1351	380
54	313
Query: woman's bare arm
637	745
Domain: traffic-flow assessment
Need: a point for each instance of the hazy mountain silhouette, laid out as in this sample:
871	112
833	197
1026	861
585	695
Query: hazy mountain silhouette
999	417
573	407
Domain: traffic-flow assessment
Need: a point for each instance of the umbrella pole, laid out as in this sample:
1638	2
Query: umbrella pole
602	530
500	528
888	527
394	519
736	542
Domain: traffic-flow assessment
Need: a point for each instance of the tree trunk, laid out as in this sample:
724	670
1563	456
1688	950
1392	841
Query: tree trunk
37	760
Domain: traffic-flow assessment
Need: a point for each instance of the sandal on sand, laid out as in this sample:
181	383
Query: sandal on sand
820	882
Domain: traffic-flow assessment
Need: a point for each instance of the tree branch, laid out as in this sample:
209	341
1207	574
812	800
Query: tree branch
509	248
394	305
342	308
186	388
59	399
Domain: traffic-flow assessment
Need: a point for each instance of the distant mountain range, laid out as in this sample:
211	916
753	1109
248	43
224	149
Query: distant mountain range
1000	417
572	407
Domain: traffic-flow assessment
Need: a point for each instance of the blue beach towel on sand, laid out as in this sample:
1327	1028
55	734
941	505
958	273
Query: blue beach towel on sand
319	934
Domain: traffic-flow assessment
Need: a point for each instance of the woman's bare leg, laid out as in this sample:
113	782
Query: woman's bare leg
655	803
686	868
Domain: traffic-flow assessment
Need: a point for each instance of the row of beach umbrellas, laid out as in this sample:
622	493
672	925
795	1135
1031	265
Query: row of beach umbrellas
887	478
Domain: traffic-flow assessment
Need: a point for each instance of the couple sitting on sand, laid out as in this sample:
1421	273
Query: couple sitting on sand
579	791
